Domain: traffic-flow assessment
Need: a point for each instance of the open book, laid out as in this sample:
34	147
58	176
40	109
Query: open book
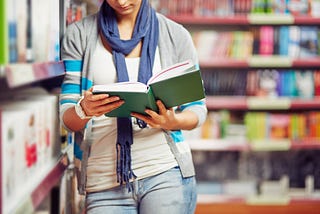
176	85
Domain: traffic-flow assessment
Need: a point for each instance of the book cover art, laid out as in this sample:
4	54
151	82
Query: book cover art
13	154
308	41
278	126
305	84
298	7
268	83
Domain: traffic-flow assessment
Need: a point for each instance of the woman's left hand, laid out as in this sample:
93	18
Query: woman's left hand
166	118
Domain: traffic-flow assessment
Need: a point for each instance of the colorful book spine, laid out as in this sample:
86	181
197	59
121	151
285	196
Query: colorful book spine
279	6
305	84
278	127
283	40
3	34
258	6
12	31
298	7
316	77
29	51
318	42
308	41
294	41
266	40
313	125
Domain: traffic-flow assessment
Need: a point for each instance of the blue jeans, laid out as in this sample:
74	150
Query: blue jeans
165	193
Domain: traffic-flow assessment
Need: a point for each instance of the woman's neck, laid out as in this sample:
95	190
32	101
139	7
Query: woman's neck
126	27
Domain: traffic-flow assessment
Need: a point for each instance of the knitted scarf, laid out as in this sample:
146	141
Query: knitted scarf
147	30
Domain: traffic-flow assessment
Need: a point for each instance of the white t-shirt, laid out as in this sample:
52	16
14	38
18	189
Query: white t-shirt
150	152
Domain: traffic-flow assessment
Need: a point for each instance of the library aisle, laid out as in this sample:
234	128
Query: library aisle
259	149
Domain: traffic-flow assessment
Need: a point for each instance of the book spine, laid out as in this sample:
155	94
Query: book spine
276	41
302	126
316	77
318	41
294	41
266	40
305	84
283	40
315	8
22	30
308	41
3	34
12	31
279	6
29	54
1	143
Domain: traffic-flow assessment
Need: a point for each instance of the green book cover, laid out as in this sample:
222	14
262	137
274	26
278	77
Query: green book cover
179	84
134	102
3	34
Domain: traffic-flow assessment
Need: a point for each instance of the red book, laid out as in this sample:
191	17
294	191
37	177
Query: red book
266	40
316	77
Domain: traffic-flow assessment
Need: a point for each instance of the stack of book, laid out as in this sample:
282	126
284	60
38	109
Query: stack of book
29	137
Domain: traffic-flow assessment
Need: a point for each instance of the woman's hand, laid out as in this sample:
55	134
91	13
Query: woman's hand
96	105
167	119
92	105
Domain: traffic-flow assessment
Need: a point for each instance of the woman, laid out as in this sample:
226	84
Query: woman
128	165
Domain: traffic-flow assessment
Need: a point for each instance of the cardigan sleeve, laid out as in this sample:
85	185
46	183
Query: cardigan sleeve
71	55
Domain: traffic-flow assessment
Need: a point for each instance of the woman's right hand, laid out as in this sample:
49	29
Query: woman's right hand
92	105
98	104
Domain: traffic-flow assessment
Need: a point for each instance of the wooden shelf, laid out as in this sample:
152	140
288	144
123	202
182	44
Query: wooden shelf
41	186
219	145
50	180
260	103
208	20
241	144
208	204
224	63
258	61
250	19
26	73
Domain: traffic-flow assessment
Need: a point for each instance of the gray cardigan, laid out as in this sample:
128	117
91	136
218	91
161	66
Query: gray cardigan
175	45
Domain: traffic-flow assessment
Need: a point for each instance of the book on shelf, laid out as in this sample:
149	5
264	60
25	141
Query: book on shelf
27	142
308	41
4	44
316	76
176	85
266	40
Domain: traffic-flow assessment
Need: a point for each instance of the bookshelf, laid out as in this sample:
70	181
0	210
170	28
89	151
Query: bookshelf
262	62
252	19
225	158
31	160
32	72
247	103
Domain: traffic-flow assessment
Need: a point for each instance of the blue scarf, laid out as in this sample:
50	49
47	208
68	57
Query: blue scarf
147	30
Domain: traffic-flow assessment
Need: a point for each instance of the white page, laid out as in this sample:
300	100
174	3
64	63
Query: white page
172	71
121	86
